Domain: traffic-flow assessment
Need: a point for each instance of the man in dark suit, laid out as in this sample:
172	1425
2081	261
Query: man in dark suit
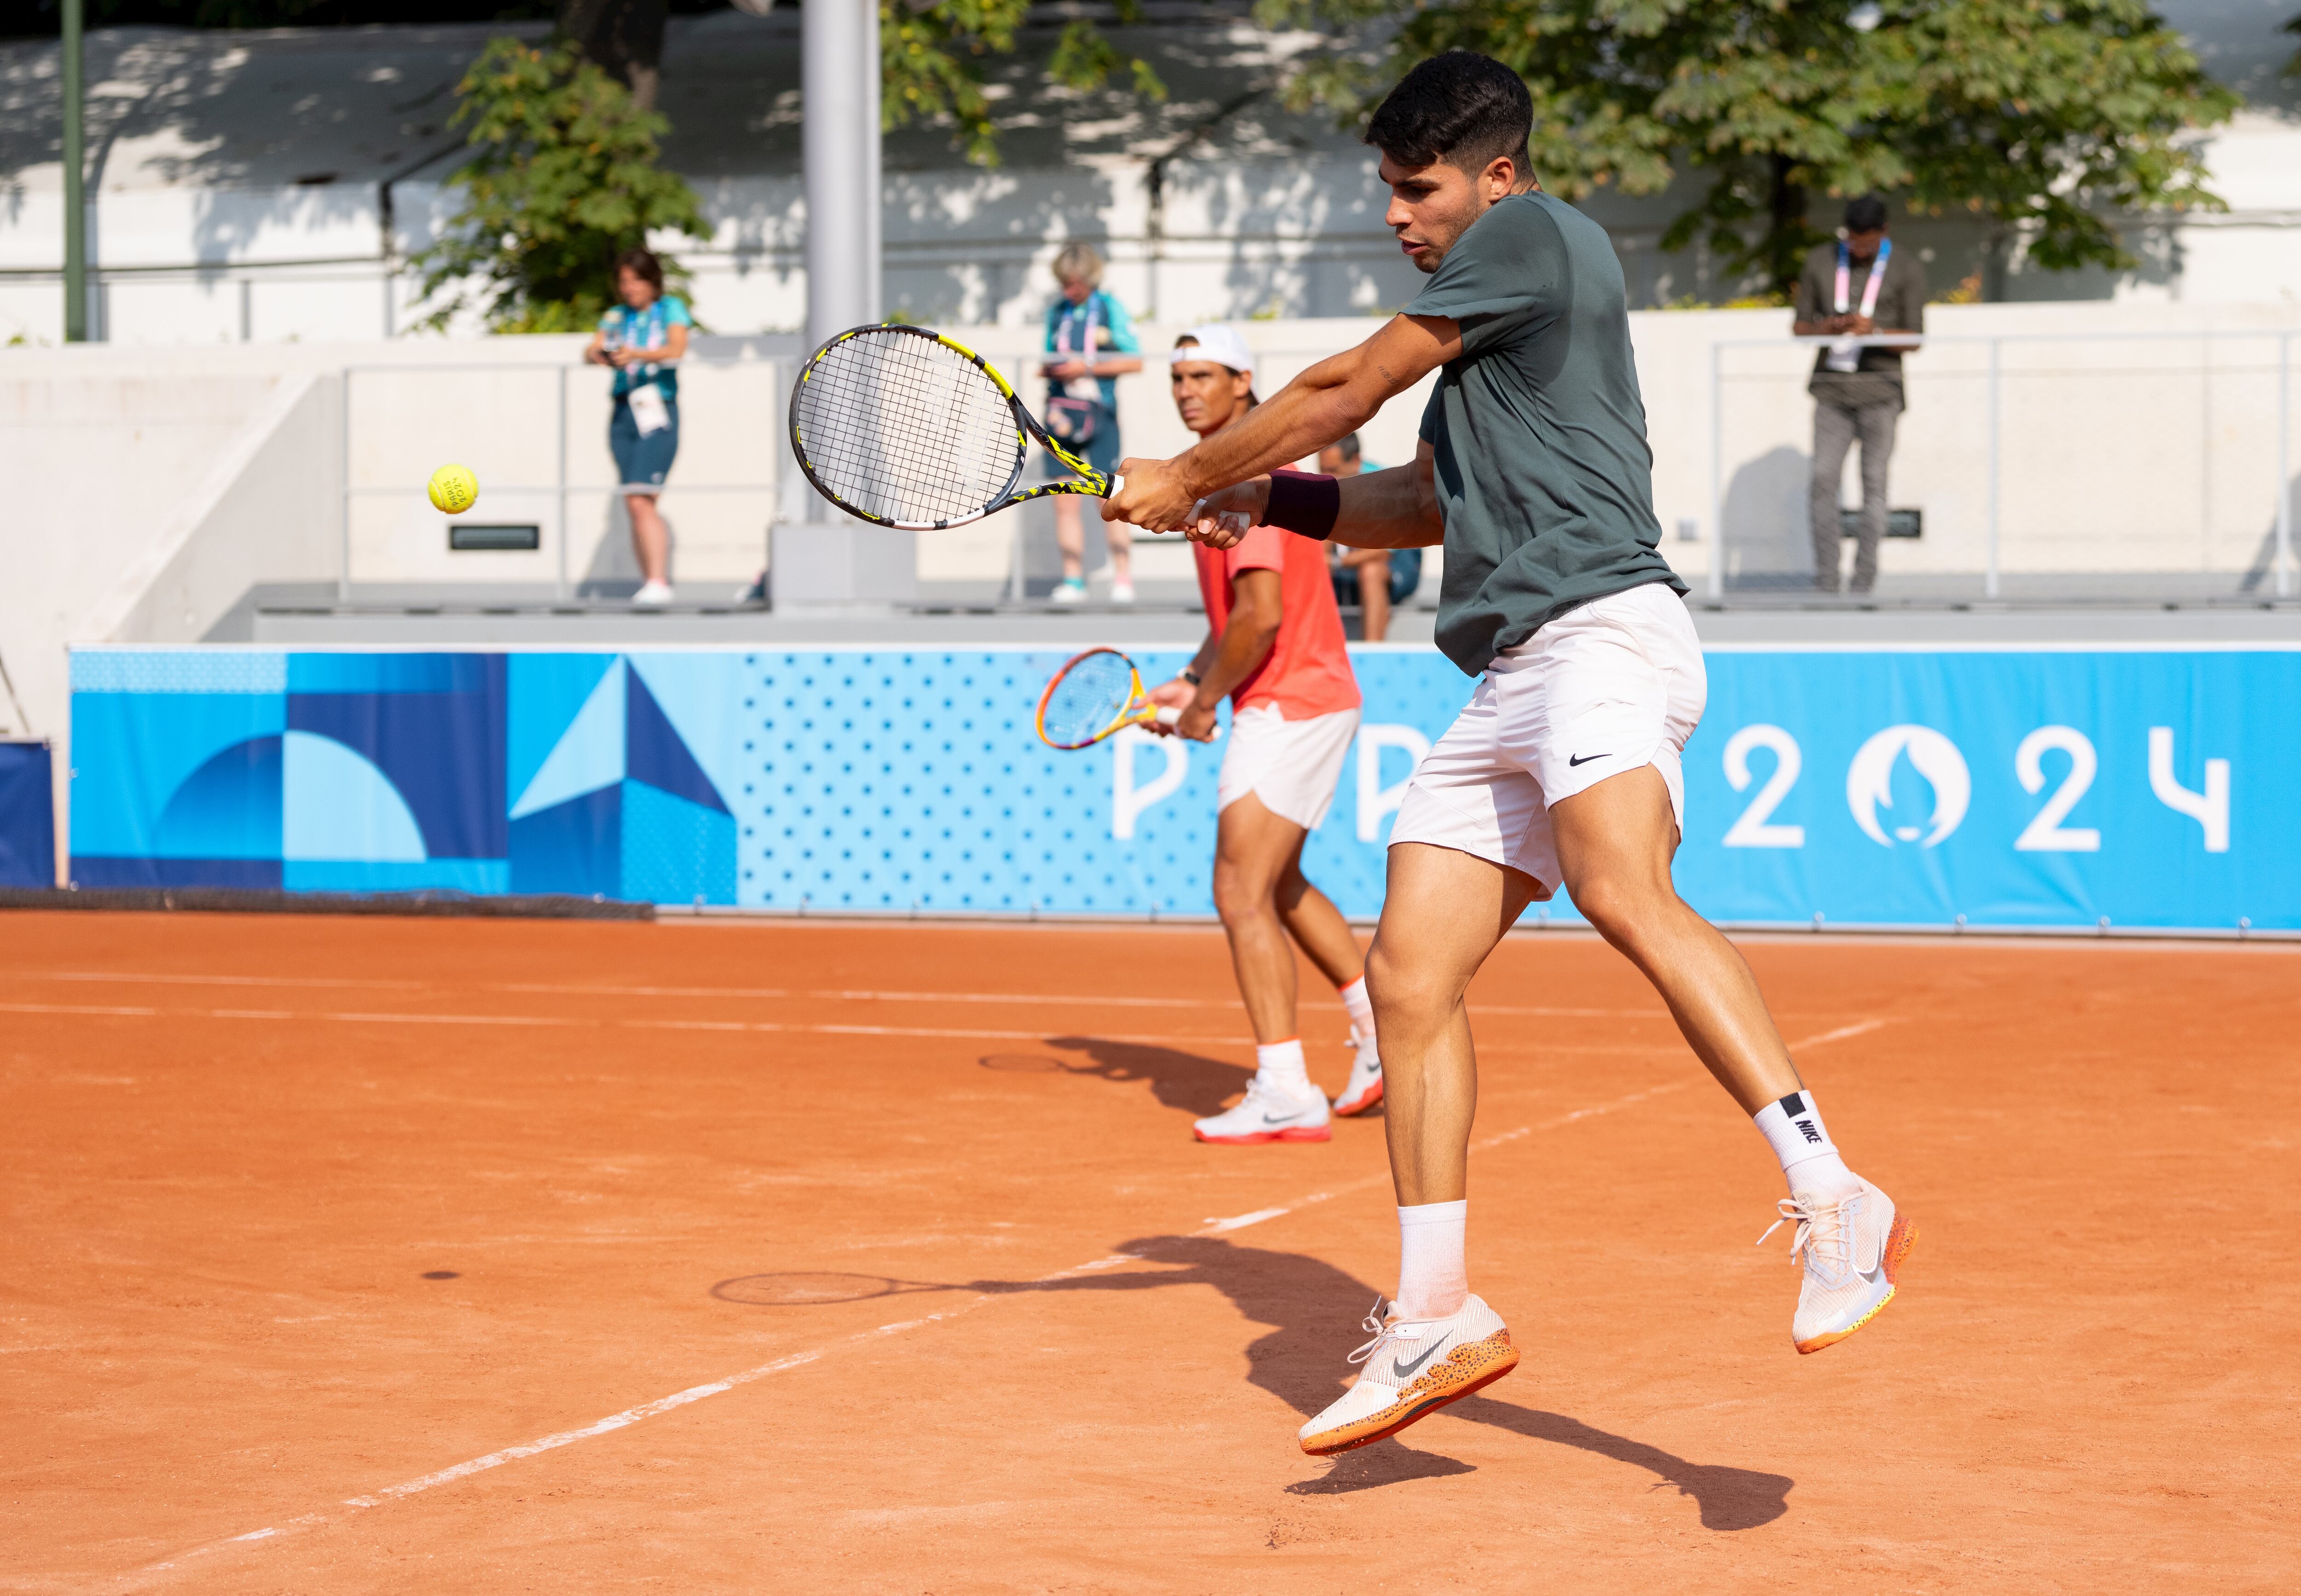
1853	289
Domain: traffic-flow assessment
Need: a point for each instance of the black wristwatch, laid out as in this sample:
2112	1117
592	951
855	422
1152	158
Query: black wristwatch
1190	675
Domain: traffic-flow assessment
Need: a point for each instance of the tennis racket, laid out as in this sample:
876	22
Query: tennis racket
1097	694
900	426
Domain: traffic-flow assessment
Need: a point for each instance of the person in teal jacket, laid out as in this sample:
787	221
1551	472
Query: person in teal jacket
1091	342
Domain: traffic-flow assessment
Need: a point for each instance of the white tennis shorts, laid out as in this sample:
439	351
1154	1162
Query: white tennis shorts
1606	688
1291	766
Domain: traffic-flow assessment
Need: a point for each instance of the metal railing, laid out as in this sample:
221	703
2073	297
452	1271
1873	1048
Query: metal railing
1994	375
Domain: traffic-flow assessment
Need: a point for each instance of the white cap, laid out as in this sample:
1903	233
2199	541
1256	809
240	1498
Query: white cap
1217	342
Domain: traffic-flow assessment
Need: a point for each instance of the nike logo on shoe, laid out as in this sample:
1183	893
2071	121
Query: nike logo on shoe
1585	758
1275	1119
1405	1370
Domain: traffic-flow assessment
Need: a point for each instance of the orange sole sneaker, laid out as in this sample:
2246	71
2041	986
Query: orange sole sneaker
1898	1242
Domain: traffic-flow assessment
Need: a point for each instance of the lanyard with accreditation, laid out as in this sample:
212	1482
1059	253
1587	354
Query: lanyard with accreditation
1846	354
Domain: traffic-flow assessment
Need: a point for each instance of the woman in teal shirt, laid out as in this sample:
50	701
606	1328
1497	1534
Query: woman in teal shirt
643	339
1090	342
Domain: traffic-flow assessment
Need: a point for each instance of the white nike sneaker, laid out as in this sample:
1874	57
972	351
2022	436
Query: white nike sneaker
652	593
1412	1368
1852	1248
1363	1090
1270	1114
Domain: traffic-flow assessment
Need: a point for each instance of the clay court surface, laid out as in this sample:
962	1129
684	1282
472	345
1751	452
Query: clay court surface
305	1216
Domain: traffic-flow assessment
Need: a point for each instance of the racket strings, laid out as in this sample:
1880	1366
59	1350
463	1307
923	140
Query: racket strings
907	428
1093	692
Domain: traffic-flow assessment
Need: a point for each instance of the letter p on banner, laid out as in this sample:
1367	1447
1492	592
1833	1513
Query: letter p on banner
1374	800
1128	801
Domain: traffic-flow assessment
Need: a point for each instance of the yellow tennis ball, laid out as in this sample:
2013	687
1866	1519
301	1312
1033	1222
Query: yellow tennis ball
453	490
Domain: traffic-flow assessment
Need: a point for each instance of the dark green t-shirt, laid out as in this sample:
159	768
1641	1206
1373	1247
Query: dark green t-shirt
1540	436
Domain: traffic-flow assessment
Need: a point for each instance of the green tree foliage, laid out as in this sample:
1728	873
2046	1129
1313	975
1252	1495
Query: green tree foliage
565	178
931	60
2040	115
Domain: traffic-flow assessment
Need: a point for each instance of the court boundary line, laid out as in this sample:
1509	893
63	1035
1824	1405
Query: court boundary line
640	1412
1067	1040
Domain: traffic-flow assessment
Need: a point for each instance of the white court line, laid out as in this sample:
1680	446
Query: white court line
855	995
1861	1028
696	1393
1046	1037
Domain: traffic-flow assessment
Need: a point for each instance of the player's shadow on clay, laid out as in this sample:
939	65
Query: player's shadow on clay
1298	1361
1190	1082
1730	1498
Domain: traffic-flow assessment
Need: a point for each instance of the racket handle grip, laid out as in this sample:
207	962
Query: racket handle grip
1118	486
1168	715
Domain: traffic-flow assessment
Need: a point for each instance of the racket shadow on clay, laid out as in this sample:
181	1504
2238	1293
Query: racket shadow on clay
1189	1082
816	1288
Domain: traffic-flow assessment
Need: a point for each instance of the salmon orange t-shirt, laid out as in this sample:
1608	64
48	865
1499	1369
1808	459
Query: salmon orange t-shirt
1308	671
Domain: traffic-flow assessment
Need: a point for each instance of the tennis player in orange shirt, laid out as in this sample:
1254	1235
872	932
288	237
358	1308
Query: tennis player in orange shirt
1275	648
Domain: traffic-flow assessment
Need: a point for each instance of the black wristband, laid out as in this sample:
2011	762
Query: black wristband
1303	503
1189	675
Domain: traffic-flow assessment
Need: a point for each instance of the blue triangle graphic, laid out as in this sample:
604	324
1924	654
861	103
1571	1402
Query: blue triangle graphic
653	752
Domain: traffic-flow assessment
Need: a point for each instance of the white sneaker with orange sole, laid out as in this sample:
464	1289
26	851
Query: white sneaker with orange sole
1852	1248
1363	1090
1270	1113
1409	1371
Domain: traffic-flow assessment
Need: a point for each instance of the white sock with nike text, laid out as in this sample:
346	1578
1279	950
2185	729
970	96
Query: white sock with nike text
1433	1280
1280	1065
1358	1006
1791	1126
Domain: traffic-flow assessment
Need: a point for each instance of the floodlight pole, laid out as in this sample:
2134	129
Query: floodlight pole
75	163
839	56
837	560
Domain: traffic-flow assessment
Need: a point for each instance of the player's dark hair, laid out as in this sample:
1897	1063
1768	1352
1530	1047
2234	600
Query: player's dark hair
643	264
1465	109
1347	445
1865	213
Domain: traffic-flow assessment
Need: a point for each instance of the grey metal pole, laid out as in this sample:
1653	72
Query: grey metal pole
870	140
559	589
75	159
838	58
1717	472
1989	583
2285	465
344	537
839	131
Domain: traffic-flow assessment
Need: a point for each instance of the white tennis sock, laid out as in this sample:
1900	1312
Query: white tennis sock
1280	1065
1359	1007
1793	1128
1433	1280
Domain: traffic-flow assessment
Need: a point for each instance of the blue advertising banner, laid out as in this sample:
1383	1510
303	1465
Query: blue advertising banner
2034	787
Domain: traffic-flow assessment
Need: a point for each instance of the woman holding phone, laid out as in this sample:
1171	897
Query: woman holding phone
643	340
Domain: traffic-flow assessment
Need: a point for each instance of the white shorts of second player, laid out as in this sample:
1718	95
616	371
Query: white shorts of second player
1613	685
1291	766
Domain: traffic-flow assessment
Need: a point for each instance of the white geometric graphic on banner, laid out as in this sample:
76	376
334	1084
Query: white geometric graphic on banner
1870	782
587	755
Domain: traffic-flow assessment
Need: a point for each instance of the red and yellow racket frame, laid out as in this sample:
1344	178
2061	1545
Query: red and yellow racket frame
1139	711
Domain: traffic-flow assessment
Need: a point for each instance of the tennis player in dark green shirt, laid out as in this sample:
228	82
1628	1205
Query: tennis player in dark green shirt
1535	473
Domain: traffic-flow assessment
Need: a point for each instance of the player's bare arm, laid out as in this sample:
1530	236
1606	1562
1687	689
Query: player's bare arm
1397	508
1337	396
1222	662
